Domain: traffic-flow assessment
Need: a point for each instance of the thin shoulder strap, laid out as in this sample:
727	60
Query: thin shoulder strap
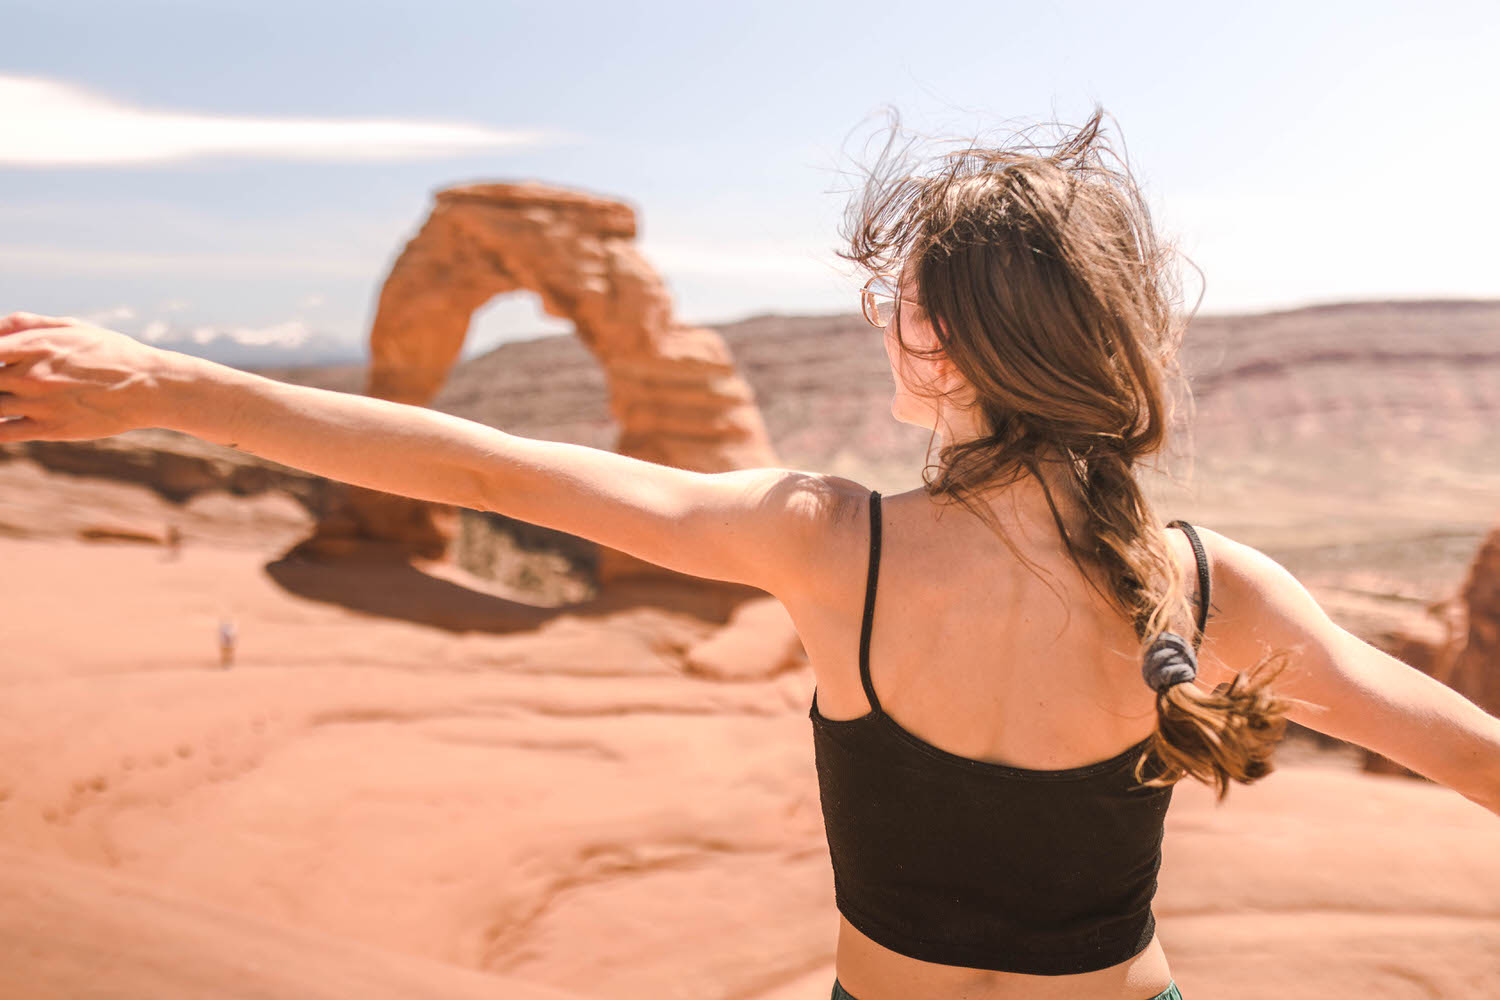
864	630
1201	555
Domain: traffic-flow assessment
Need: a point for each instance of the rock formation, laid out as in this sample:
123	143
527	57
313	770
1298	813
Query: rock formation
1476	664
1464	652
177	467
673	389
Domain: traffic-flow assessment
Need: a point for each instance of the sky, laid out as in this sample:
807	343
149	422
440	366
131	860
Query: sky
249	171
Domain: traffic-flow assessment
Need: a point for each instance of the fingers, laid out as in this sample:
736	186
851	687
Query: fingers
22	429
13	352
14	380
25	404
18	321
13	349
11	406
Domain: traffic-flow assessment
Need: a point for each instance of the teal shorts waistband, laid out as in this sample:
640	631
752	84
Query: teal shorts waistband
1170	993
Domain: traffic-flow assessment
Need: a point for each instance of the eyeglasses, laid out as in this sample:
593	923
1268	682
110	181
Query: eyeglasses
881	297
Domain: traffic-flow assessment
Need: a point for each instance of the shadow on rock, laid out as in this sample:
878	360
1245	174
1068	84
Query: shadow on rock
389	586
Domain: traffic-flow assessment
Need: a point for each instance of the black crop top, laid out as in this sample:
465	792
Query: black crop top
971	863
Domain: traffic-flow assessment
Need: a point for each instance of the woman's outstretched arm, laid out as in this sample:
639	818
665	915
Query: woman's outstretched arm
1352	690
760	527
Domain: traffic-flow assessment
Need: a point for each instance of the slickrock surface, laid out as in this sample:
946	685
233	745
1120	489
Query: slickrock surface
556	798
78	932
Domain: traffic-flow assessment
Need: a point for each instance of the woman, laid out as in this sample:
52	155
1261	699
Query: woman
994	772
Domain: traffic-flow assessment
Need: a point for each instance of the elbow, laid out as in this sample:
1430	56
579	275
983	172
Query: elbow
1491	801
1480	767
1489	797
480	488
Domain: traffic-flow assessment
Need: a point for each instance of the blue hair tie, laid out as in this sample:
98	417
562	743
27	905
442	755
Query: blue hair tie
1170	660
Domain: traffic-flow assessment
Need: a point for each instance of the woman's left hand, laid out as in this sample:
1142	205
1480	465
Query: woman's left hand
70	381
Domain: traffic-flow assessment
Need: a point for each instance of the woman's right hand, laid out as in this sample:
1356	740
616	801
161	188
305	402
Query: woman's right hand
62	379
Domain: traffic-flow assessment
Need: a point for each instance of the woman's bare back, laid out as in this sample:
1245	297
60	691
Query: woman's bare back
972	653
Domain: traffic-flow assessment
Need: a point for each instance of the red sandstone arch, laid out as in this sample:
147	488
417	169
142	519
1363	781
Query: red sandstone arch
673	389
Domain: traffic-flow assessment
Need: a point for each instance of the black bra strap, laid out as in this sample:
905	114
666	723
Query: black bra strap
1201	555
864	631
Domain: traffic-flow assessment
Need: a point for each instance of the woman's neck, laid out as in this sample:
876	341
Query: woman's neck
1023	502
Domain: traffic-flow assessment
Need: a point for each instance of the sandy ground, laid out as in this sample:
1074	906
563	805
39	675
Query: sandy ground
410	785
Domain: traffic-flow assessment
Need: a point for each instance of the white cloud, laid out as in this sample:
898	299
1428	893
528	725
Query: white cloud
174	305
292	333
105	317
312	301
54	123
155	332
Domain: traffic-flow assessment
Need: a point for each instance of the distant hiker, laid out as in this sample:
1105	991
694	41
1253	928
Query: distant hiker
226	644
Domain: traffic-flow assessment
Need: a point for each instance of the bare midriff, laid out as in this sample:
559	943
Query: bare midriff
870	971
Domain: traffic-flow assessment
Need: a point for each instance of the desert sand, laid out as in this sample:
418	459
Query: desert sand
478	796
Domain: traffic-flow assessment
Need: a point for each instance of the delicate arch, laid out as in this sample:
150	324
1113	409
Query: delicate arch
673	389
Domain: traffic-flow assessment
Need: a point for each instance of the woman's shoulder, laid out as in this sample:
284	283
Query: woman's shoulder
824	524
833	514
1229	561
1217	547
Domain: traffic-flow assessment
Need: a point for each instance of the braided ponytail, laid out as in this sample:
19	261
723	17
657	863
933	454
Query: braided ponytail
1214	736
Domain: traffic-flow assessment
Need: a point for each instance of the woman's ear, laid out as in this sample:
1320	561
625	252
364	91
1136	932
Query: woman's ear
951	378
946	370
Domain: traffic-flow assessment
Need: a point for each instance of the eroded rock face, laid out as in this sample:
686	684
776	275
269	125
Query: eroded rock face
673	389
1475	667
1463	651
177	467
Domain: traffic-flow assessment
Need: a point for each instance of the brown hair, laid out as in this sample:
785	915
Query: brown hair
1051	295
